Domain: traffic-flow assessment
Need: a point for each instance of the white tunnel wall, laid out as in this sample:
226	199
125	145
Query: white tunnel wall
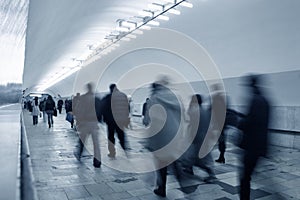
239	36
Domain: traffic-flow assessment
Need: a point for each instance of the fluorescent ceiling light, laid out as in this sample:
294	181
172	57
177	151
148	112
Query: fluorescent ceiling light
128	24
174	11
122	29
163	17
186	4
154	23
145	27
170	1
146	13
156	6
139	32
125	39
131	36
35	95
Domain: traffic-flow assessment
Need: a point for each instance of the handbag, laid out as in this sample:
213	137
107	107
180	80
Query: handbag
55	112
69	117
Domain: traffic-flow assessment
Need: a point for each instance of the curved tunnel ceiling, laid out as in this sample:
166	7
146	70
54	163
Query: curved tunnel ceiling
241	36
59	32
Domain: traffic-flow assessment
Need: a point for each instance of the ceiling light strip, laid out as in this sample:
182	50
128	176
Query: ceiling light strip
126	29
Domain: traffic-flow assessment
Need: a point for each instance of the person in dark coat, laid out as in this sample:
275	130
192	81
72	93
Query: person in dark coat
69	116
165	122
50	107
255	133
115	112
60	104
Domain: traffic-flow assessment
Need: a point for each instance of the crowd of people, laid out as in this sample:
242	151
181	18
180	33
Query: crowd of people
204	124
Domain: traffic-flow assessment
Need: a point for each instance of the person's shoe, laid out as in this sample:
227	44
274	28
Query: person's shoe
49	125
210	179
188	171
160	192
111	155
96	163
220	160
77	155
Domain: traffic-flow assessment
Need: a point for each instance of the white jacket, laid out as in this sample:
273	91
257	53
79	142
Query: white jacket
35	110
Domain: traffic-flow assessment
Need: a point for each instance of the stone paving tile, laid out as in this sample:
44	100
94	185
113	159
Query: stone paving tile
116	196
54	194
58	175
140	192
76	192
99	189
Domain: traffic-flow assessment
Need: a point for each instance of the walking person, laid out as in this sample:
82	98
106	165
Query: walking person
165	125
50	107
255	133
197	129
115	111
87	124
35	110
69	113
43	108
60	104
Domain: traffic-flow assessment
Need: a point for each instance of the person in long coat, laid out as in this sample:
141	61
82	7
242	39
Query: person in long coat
255	133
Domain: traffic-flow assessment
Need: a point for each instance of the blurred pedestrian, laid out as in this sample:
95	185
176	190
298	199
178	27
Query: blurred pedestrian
35	110
69	113
43	108
87	124
50	107
197	130
115	111
255	132
60	104
165	122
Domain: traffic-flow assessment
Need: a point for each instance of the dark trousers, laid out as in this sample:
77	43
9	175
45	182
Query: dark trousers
250	160
222	145
112	128
59	109
50	119
35	119
162	175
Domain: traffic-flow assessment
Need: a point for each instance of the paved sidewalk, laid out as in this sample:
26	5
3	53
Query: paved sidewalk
59	176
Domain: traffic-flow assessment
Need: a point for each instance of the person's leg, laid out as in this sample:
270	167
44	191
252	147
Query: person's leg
33	120
206	164
121	137
111	140
82	133
96	145
49	119
222	148
44	116
249	161
161	182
